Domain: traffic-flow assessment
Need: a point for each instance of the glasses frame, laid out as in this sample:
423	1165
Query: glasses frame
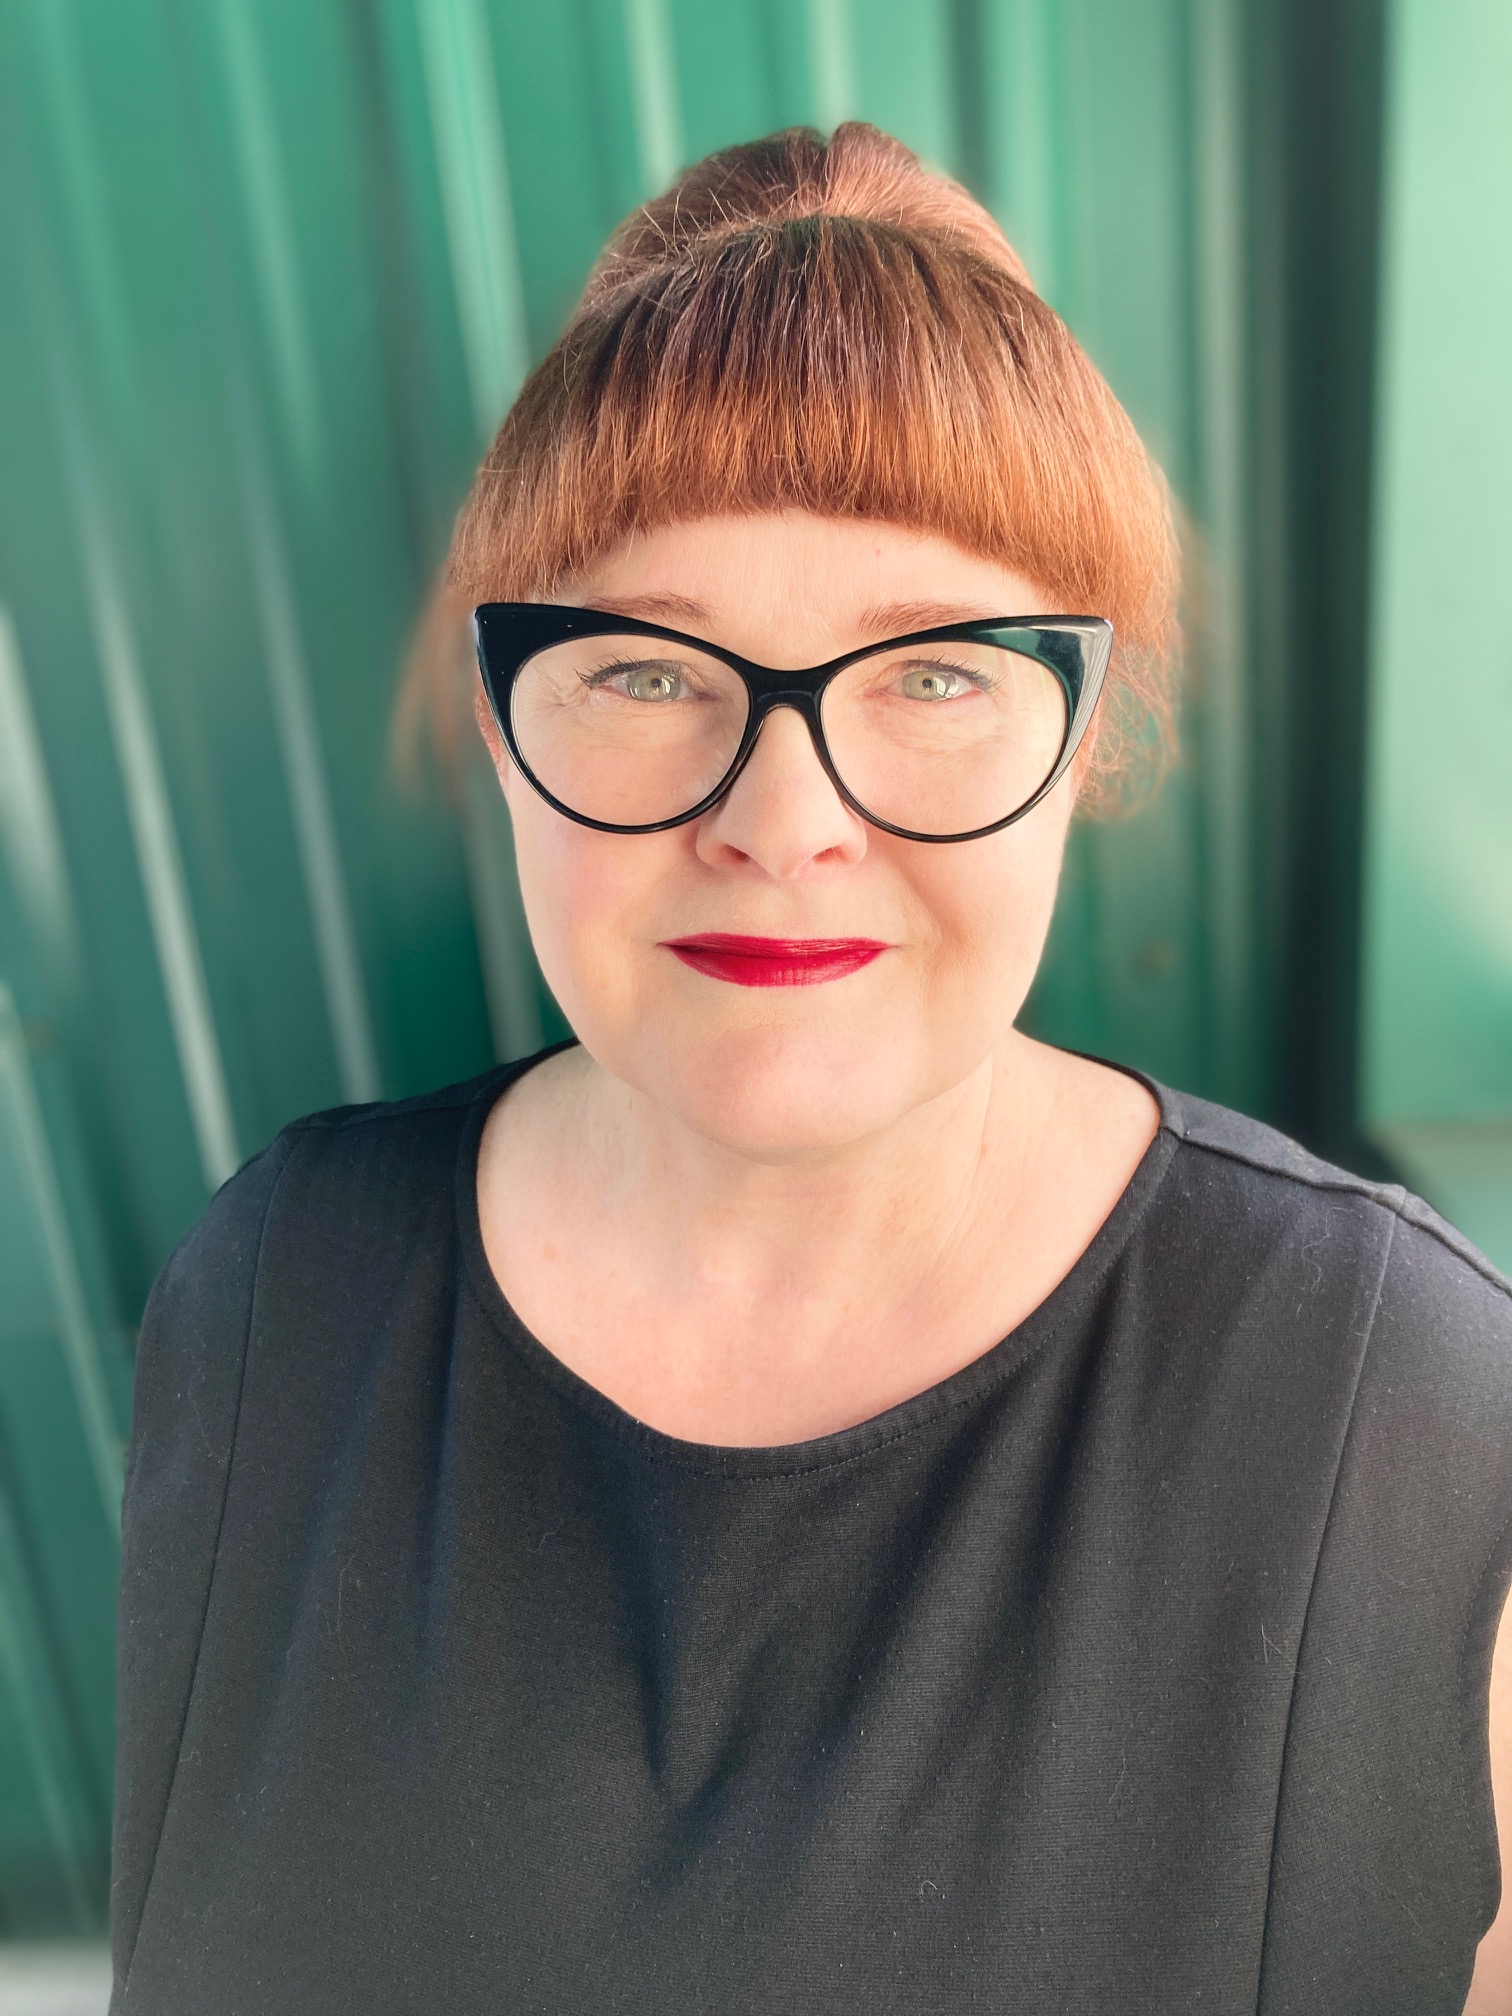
1076	649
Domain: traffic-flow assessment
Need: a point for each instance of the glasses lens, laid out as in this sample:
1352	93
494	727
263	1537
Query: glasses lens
947	737
630	730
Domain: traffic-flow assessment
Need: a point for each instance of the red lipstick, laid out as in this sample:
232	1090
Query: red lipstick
774	962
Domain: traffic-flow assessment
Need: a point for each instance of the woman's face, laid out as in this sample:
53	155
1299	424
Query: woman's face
780	1072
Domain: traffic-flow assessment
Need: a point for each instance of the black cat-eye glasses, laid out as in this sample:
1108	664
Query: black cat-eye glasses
945	734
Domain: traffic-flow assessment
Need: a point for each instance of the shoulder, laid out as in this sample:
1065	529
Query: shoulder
389	1135
1227	1142
372	1133
1239	1171
326	1157
1363	1283
331	1190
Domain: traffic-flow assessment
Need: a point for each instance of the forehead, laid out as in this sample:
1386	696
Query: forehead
791	587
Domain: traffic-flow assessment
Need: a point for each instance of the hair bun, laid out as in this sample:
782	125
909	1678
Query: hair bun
860	172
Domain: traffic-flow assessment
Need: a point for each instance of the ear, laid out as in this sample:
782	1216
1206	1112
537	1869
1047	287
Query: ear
488	728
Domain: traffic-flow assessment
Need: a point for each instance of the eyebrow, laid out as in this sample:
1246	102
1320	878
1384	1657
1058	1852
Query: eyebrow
900	619
880	620
653	607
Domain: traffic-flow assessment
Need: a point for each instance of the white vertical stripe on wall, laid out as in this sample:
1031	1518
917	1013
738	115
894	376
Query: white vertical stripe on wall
30	840
654	93
159	859
76	1333
271	234
832	61
156	844
304	771
479	220
475	201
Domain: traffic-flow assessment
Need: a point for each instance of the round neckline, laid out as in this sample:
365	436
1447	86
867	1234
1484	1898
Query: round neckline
841	1445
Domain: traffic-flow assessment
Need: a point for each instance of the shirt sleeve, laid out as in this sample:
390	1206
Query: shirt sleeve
190	1353
1385	1815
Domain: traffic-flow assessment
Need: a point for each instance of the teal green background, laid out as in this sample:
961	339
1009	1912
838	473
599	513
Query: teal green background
1437	998
273	270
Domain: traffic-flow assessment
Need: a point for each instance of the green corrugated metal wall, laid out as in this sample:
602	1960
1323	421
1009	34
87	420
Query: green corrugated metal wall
1437	1060
273	271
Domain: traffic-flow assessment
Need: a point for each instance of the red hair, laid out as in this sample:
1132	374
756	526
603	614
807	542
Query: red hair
831	327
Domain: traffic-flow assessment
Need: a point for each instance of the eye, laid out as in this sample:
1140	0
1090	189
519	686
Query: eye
927	679
655	682
650	679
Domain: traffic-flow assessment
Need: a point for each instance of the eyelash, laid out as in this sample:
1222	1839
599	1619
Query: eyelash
982	682
604	673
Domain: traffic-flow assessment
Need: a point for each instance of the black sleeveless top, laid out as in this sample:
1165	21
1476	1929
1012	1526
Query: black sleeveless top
1139	1666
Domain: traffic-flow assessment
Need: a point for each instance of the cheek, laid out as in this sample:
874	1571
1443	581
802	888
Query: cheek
991	906
583	894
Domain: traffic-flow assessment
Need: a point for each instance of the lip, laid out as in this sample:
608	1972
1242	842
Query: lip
774	962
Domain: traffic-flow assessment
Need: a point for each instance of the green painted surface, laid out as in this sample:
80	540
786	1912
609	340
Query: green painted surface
1117	167
64	1398
1465	1168
277	269
1437	1064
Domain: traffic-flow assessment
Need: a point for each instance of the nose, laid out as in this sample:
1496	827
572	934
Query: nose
782	812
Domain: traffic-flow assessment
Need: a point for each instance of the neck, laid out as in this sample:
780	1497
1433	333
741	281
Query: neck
728	1299
799	1234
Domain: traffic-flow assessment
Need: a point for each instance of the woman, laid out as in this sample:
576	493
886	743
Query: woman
807	1499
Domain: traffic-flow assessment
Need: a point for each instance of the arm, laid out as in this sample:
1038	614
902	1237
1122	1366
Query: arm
1491	1984
187	1388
